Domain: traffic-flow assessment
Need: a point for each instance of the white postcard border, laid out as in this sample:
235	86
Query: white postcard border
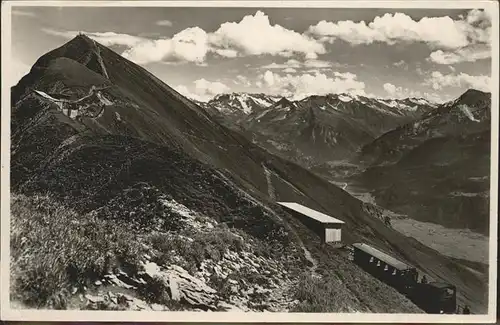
67	315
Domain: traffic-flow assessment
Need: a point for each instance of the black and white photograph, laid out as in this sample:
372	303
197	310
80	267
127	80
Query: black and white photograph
277	161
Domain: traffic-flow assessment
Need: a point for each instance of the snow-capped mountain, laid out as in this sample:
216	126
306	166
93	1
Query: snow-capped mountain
246	103
401	107
320	128
278	111
237	103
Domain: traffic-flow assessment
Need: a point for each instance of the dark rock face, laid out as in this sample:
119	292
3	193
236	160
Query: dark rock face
441	163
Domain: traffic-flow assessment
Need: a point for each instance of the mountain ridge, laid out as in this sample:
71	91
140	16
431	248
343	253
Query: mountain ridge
345	123
430	154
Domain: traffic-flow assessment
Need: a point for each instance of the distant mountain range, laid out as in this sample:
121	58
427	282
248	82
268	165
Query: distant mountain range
240	103
316	129
320	132
425	160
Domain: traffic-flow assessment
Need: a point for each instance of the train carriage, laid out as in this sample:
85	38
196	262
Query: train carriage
435	297
385	267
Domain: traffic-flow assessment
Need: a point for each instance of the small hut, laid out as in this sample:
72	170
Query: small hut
328	228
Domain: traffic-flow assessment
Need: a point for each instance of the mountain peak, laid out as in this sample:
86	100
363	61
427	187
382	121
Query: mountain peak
79	39
75	49
473	97
81	49
284	101
474	92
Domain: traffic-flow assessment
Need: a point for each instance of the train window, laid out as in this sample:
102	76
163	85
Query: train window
386	268
371	259
394	272
378	263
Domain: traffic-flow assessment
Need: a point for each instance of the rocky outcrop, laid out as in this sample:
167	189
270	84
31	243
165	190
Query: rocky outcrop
118	301
182	286
237	282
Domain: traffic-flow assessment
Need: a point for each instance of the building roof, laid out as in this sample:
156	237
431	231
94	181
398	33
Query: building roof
382	256
321	217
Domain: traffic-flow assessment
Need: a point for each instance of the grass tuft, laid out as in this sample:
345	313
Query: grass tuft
320	295
201	245
54	249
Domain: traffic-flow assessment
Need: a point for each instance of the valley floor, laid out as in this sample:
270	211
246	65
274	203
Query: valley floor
457	243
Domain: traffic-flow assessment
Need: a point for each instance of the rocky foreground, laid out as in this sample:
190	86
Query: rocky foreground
70	262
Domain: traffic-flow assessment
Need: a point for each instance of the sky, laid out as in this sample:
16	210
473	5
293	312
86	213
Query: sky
436	54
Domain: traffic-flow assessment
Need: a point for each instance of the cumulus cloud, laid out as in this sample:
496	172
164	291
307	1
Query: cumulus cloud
433	97
466	39
255	35
295	64
398	92
230	40
438	81
204	86
442	32
165	22
477	28
390	88
105	38
188	45
149	51
292	63
300	86
478	24
269	78
182	89
345	75
228	53
399	63
318	64
469	54
203	89
402	64
242	80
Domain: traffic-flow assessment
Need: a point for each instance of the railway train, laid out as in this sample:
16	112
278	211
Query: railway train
433	297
